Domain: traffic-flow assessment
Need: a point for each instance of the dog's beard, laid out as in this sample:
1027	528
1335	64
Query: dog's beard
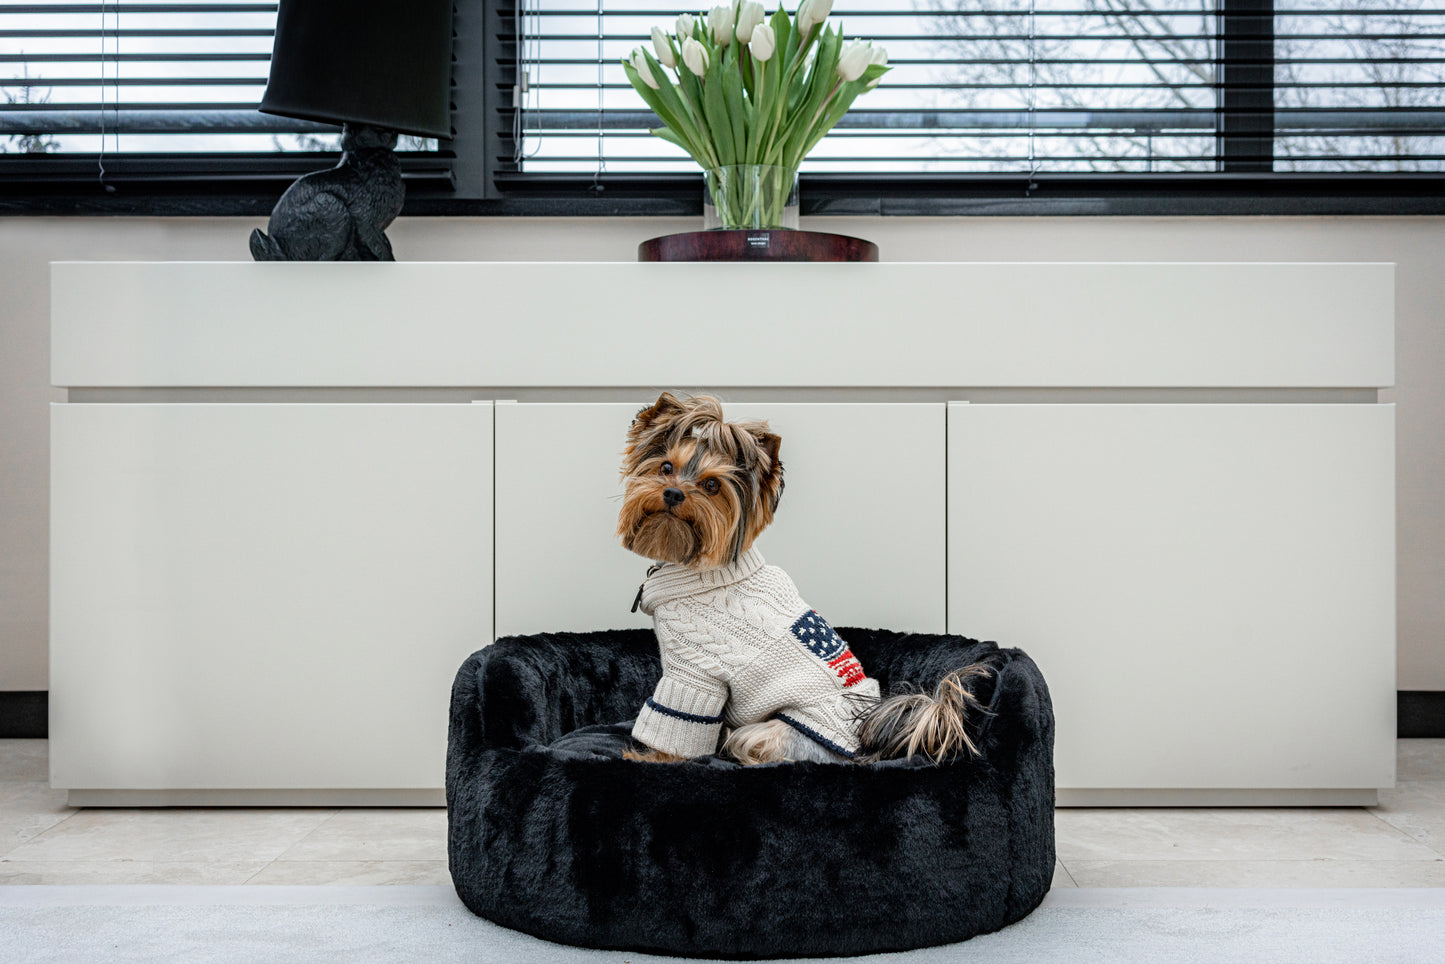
664	537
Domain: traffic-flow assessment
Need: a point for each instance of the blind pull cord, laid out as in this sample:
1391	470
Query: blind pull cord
597	187
100	158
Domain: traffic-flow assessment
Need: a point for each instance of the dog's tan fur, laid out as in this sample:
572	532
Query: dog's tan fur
731	480
773	741
728	471
934	724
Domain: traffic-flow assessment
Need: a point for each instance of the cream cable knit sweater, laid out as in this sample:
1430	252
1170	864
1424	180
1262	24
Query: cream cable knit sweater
739	645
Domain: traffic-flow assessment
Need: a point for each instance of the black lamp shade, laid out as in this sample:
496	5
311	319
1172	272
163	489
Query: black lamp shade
381	62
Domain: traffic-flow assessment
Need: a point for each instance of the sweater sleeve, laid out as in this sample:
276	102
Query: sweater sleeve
684	715
681	718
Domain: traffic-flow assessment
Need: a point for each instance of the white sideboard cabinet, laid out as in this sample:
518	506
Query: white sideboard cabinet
263	602
1199	584
862	551
289	499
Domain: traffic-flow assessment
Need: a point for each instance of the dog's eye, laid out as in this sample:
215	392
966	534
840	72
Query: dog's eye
666	468
711	486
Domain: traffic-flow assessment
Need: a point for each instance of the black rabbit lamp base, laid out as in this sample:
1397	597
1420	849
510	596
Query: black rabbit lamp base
340	214
378	69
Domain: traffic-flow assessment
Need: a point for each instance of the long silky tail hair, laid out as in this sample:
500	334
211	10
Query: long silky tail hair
935	723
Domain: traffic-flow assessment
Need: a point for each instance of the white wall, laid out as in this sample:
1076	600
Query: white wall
1416	244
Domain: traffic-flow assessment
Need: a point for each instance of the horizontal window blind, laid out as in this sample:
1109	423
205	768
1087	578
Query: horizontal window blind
1104	92
123	77
1029	86
1360	87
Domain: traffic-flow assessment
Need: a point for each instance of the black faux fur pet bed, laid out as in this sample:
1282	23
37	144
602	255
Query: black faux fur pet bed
552	833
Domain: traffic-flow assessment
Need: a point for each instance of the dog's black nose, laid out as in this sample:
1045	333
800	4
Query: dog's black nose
672	496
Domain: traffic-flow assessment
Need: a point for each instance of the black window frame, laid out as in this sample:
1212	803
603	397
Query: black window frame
469	176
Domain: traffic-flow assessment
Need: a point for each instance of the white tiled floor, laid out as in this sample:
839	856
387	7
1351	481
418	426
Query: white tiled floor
1400	843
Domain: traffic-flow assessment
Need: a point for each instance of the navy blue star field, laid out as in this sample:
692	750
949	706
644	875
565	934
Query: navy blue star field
815	633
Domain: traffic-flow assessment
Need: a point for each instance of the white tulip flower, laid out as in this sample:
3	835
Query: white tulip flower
812	12
685	26
764	42
879	58
750	14
643	68
853	60
694	56
720	22
663	46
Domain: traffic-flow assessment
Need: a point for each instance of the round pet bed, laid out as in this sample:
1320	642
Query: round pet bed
551	832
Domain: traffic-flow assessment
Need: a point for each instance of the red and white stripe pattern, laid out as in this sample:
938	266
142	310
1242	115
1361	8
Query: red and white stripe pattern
823	642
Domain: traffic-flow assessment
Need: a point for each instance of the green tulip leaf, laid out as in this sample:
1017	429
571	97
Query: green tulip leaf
757	108
752	123
647	93
822	81
782	32
800	44
671	137
872	72
732	90
787	39
685	116
715	109
831	116
691	89
747	111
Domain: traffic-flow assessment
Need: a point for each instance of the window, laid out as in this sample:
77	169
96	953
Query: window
126	98
996	106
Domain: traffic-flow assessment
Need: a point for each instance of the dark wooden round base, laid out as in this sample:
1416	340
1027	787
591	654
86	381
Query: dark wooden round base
762	245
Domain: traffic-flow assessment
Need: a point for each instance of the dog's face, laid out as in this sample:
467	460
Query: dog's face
698	490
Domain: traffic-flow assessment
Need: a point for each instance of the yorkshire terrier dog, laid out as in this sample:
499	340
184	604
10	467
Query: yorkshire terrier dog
745	660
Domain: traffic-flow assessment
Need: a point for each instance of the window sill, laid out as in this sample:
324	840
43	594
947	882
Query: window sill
673	195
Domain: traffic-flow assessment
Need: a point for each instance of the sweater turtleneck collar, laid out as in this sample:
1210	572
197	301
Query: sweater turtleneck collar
673	581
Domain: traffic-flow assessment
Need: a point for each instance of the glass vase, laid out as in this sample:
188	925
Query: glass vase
750	196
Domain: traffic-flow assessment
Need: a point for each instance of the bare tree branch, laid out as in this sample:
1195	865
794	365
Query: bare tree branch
1380	59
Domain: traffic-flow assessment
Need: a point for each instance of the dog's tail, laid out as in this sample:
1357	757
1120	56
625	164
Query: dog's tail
935	724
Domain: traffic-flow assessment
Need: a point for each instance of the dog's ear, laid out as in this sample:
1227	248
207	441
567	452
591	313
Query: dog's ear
766	470
770	473
666	408
649	429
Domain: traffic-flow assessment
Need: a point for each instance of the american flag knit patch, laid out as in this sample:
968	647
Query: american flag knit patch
814	632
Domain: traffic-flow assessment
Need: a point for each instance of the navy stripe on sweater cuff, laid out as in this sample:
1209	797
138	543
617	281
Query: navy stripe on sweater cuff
817	737
680	715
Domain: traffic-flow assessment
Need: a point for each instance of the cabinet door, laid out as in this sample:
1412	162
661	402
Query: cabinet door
859	529
264	596
1209	589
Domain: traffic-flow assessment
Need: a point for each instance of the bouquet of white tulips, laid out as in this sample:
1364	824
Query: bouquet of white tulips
751	90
